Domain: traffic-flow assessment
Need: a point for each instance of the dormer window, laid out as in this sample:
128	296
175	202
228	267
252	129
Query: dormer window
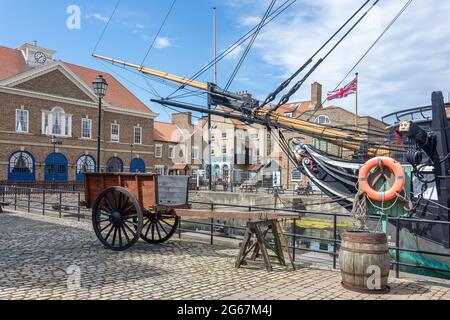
323	120
57	123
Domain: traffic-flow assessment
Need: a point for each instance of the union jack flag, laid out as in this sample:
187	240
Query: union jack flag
349	89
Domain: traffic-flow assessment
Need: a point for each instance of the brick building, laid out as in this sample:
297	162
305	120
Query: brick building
43	99
178	146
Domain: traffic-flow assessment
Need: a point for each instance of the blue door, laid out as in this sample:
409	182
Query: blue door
137	165
21	167
56	168
85	164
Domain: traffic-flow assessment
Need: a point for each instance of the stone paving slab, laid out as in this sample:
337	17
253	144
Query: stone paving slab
35	252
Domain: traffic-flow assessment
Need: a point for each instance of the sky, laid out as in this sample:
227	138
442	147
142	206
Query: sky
402	70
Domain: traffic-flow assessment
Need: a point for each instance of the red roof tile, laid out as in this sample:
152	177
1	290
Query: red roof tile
12	63
117	95
165	132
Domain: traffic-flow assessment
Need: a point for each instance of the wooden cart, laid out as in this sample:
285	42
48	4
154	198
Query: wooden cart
126	207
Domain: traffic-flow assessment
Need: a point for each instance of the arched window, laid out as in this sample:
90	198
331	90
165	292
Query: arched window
57	122
114	164
21	167
85	164
322	119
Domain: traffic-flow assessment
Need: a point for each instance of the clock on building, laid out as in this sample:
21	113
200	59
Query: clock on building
40	57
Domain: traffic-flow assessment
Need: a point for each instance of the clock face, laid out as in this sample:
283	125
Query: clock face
40	57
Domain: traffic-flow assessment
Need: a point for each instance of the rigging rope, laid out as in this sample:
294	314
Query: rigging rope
249	46
106	27
297	86
159	32
283	7
286	83
373	45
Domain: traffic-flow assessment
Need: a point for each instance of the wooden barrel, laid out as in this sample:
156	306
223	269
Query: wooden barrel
364	261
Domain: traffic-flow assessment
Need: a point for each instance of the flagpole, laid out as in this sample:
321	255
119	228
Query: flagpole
356	104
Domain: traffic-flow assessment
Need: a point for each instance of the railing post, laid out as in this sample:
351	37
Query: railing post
334	240
293	239
15	199
397	249
179	228
79	206
212	224
60	204
29	200
43	202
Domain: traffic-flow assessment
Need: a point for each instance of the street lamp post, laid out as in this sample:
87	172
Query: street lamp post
100	86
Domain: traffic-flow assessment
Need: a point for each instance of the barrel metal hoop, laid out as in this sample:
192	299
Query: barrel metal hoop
364	275
365	251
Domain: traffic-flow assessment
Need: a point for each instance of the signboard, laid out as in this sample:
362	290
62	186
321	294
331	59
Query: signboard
276	179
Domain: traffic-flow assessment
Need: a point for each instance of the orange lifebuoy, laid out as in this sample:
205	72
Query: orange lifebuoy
397	187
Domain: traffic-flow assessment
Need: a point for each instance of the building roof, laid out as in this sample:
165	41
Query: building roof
296	108
13	64
117	95
165	132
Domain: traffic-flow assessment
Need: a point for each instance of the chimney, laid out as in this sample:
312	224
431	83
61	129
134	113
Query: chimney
183	120
316	96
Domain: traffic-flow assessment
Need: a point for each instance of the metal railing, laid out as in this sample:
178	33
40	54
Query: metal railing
396	263
69	204
45	201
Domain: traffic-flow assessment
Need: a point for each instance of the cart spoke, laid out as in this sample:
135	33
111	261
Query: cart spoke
109	233
148	229
108	202
131	230
162	228
103	229
125	233
114	237
120	235
157	229
170	225
153	231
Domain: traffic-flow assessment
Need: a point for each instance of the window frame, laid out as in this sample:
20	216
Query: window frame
292	175
141	136
82	128
27	121
65	123
118	132
156	153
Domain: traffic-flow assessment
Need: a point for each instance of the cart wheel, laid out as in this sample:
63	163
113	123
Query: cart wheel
159	227
117	218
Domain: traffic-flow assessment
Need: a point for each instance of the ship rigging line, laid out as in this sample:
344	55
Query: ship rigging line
283	7
159	32
106	27
286	83
297	86
402	10
250	44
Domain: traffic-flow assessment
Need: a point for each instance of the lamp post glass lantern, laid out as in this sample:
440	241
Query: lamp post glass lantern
100	86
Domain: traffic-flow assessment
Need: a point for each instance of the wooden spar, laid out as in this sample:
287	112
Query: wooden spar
334	136
159	74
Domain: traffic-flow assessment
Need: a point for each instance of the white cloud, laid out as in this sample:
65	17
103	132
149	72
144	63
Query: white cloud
162	42
236	53
250	21
410	61
98	17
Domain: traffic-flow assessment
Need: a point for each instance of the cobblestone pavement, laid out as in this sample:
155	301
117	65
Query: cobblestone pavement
36	251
